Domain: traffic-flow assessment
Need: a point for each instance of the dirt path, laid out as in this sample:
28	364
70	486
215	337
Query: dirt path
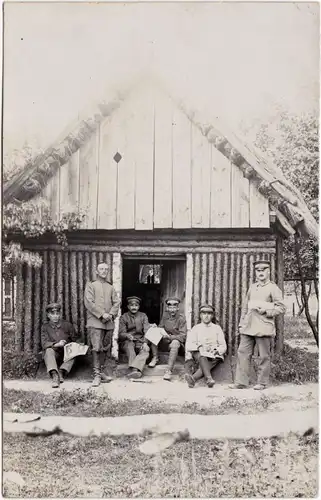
293	396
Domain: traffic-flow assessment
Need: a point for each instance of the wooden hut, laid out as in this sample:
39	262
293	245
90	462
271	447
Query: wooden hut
164	192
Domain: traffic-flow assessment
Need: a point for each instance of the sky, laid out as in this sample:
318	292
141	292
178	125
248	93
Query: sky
236	61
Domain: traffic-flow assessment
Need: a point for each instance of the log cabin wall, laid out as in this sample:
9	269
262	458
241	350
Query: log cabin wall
167	176
219	270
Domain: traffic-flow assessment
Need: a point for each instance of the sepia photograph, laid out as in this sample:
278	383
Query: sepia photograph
160	238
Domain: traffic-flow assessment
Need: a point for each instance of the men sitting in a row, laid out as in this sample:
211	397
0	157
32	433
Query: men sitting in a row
205	341
205	344
133	326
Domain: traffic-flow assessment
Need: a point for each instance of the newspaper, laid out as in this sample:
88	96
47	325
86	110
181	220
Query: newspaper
73	349
209	351
154	335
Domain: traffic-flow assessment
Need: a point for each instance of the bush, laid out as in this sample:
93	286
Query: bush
8	335
295	365
18	365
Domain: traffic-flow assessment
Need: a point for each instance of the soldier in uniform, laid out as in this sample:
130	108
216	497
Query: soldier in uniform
55	334
263	302
133	326
206	346
102	304
174	324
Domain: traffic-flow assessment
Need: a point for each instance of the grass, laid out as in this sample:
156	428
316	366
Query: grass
297	328
87	403
60	466
296	366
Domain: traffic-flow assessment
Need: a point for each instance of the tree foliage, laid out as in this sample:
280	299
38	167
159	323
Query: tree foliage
293	146
31	219
292	143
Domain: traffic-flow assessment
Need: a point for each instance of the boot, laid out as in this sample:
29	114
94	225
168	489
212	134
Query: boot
173	352
96	369
135	374
259	387
62	376
206	371
198	374
190	380
154	360
55	379
104	364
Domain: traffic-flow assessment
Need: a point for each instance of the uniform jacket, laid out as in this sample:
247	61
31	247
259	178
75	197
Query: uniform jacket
175	327
256	324
210	335
100	297
51	333
135	324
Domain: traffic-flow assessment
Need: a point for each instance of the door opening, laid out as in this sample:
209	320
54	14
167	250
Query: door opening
153	280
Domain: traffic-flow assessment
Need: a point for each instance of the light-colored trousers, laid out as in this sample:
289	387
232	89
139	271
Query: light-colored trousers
142	349
244	357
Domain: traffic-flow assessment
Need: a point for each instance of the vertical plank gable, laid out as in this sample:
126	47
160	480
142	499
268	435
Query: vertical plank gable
240	203
73	180
163	189
259	208
201	179
64	205
142	135
107	178
181	170
125	146
220	190
88	179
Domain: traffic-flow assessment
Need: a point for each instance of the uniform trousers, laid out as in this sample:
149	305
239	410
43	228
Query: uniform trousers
53	357
244	357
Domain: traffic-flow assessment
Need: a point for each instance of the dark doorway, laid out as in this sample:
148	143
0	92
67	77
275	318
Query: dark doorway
153	280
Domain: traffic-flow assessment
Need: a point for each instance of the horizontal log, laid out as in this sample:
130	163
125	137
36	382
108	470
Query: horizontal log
160	250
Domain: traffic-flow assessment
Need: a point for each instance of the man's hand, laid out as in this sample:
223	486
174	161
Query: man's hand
153	325
61	343
129	336
107	317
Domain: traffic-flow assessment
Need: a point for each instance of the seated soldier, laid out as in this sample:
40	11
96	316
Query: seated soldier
206	346
132	328
174	324
55	334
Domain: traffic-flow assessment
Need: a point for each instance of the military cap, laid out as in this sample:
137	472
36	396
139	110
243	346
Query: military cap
53	305
134	299
262	262
172	299
207	308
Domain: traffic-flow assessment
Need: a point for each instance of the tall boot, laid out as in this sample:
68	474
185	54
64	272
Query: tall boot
154	360
198	374
205	367
173	352
105	362
96	369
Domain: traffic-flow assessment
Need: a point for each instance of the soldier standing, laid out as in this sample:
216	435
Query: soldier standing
263	302
102	304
